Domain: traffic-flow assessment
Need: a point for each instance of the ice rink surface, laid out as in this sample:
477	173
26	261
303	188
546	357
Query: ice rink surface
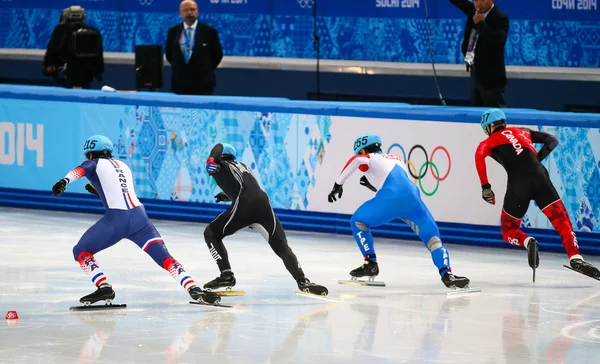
412	320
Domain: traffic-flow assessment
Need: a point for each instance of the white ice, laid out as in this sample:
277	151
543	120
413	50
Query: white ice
412	320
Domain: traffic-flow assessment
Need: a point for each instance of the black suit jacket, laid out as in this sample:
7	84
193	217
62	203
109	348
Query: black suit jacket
197	77
490	69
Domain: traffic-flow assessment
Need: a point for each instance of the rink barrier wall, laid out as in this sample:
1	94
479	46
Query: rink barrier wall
294	218
282	105
309	221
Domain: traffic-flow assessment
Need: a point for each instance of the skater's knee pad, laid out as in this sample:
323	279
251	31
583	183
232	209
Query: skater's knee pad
434	243
82	256
361	226
79	251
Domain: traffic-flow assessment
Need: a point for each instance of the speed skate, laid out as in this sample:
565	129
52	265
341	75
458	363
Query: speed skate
370	281
587	275
457	284
104	293
108	305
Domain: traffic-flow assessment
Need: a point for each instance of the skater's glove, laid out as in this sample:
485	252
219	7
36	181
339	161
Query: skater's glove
59	187
221	196
365	182
211	166
337	189
91	189
487	194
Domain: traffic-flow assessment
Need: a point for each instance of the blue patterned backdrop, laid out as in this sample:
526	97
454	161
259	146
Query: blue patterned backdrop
564	43
166	149
574	168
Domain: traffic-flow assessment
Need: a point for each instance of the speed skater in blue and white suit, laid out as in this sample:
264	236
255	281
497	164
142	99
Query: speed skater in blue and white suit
396	197
125	218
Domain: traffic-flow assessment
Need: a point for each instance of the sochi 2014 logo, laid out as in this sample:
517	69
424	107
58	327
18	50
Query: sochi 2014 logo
146	2
427	166
306	3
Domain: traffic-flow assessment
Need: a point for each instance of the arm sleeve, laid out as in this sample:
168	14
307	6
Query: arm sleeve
482	152
216	51
360	161
86	168
494	36
465	6
550	142
52	56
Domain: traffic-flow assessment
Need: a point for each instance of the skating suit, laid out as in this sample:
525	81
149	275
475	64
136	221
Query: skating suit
527	178
396	198
125	216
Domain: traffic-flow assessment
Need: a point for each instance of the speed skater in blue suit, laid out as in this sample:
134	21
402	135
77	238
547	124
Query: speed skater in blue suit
396	197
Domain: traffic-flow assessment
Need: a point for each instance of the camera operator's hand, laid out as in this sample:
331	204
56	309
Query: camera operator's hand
50	69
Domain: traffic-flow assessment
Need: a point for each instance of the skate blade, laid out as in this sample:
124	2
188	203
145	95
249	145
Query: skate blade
229	293
98	307
318	297
210	305
463	290
356	282
569	268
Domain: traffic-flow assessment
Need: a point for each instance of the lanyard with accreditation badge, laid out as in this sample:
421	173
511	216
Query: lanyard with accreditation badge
470	55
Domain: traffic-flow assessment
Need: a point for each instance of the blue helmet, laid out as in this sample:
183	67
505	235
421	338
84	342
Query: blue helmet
97	143
366	140
491	116
229	150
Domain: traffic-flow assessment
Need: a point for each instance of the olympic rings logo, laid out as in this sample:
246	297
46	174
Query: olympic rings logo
146	2
419	174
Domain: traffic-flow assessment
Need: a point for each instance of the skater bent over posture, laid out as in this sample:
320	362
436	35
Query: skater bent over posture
527	180
250	207
396	197
125	218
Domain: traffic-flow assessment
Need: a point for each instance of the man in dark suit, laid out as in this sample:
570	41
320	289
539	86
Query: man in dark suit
194	51
483	47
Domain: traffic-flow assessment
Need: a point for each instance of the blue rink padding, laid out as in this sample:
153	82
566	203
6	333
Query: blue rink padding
477	235
453	233
282	105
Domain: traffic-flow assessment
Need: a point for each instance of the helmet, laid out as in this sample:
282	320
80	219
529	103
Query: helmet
491	116
229	150
97	143
366	140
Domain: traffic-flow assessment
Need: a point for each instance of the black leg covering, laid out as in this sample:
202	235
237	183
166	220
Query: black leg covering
278	243
217	249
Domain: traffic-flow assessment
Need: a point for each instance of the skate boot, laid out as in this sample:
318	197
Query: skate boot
584	267
200	295
103	293
307	286
369	269
452	281
227	279
533	255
